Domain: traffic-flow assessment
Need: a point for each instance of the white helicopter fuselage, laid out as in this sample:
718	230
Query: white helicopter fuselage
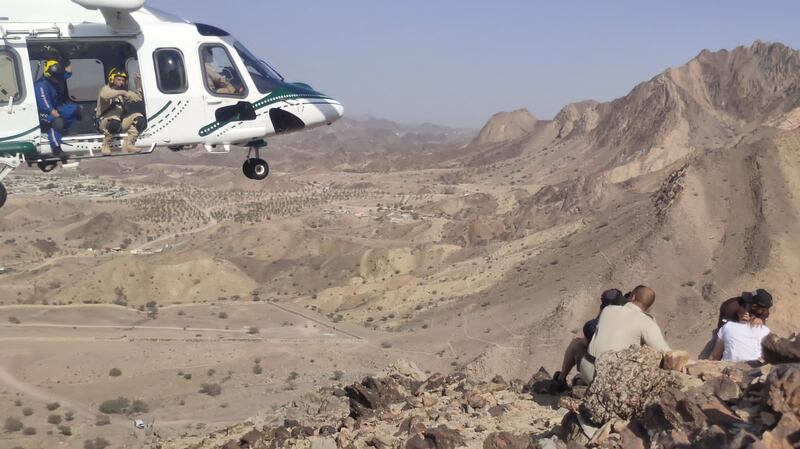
175	60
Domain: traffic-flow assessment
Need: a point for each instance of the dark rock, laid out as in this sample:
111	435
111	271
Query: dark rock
783	389
506	440
498	410
326	431
625	383
719	414
712	438
725	388
498	379
289	423
251	438
745	440
440	437
280	433
302	431
541	382
433	383
777	350
674	410
673	439
629	440
411	426
371	395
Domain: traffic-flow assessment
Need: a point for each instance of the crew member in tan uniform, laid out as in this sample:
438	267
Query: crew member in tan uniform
620	327
216	82
116	111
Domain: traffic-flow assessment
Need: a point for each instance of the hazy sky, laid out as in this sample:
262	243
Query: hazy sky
458	62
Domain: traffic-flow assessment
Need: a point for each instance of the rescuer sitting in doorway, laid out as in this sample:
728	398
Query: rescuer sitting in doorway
120	110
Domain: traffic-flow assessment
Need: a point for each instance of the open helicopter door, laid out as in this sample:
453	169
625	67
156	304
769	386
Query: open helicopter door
19	119
117	13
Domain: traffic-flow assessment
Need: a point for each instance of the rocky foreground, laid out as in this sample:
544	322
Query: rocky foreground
639	399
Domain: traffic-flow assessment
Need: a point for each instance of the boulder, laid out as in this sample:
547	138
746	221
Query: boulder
372	395
440	437
625	383
781	350
675	361
783	389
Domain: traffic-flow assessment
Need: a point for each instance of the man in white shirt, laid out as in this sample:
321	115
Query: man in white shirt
741	341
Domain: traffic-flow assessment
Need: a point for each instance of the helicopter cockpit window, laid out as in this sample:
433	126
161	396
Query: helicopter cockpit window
10	87
265	78
221	75
170	71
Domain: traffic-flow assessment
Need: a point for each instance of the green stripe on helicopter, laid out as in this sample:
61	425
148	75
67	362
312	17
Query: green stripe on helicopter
15	148
3	139
150	119
296	91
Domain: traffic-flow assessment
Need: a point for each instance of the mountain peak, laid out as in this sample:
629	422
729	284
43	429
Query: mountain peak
505	126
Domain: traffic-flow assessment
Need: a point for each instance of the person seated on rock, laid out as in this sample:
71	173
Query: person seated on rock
577	348
740	340
730	310
620	327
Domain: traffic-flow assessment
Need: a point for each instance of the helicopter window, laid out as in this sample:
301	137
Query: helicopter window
170	71
265	78
10	86
221	75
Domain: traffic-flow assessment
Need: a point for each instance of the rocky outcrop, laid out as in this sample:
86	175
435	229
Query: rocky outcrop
781	350
626	383
635	401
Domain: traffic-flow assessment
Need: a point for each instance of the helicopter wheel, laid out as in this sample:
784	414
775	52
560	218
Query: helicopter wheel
255	168
3	194
46	167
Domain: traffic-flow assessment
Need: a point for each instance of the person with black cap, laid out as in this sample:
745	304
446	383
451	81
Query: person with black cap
740	339
578	347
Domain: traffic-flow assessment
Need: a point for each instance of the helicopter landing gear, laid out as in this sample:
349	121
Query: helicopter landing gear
254	167
47	166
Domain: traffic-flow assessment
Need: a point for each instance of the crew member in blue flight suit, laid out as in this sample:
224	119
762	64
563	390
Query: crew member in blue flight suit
56	114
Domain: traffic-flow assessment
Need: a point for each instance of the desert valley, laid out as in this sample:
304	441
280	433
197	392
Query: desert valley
167	288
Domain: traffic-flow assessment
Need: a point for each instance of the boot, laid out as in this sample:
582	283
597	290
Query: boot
129	145
105	148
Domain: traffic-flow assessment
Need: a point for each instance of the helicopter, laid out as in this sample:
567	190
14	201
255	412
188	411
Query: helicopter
172	61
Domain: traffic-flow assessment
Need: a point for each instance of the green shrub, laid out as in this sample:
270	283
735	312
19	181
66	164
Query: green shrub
52	406
54	419
27	411
29	431
257	369
115	372
13	424
123	406
65	430
211	389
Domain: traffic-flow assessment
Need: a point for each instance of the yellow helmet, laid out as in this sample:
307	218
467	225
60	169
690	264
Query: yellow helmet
52	67
115	72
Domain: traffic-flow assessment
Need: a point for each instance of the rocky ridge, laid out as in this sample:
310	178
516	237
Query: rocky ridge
640	399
